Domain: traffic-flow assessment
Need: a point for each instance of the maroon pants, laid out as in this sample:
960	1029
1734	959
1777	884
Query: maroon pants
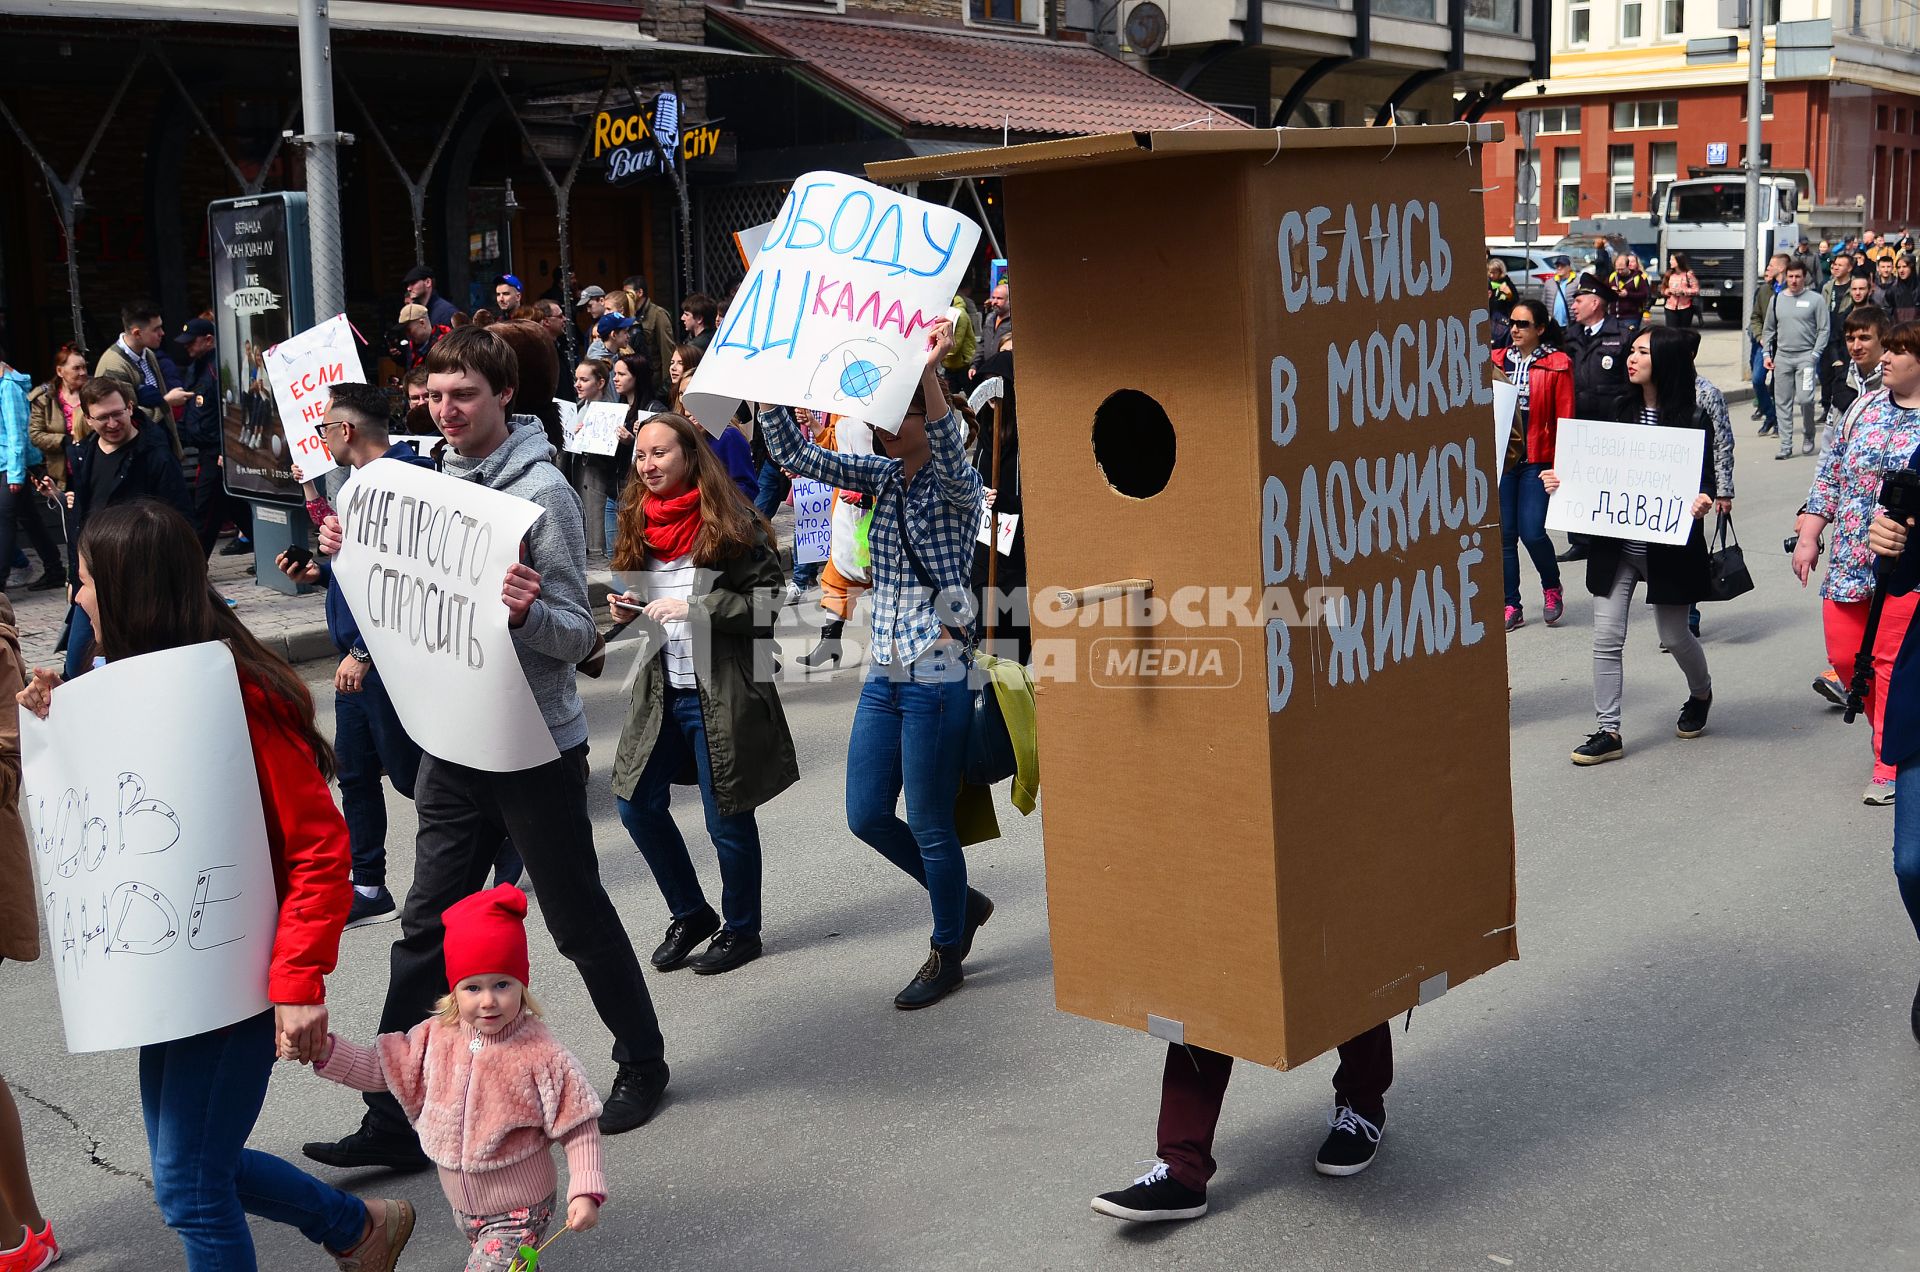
1195	1085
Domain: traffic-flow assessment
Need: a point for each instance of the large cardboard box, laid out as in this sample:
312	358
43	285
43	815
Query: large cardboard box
1253	365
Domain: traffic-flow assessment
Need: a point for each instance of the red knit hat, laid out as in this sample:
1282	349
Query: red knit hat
487	932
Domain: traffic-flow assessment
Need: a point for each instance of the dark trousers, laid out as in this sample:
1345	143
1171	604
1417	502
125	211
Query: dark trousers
368	738
20	513
1195	1085
464	813
209	506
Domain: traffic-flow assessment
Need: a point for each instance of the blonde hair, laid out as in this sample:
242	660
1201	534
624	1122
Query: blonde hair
447	1009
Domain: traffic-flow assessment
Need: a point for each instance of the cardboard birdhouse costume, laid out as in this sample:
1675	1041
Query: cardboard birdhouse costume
1264	549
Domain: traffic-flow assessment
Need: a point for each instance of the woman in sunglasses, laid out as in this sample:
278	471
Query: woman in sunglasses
1534	364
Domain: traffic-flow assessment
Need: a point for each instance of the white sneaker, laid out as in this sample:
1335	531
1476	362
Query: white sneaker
792	595
1879	794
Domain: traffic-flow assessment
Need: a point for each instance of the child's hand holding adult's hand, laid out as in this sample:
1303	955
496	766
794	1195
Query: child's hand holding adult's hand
582	1213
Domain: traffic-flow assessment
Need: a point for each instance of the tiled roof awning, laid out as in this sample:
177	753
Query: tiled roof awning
973	80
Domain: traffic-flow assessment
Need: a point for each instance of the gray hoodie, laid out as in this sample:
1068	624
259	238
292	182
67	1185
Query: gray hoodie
559	630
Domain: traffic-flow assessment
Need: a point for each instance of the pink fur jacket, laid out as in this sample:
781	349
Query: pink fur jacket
482	1105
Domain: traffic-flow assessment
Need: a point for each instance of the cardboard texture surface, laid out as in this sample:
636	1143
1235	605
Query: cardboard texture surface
1260	891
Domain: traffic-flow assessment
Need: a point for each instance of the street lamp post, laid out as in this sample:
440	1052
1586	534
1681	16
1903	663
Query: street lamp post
321	143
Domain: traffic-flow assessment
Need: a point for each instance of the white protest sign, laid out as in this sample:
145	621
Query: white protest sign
1626	481
812	520
421	567
750	240
997	534
835	310
1506	404
150	849
300	369
597	428
569	416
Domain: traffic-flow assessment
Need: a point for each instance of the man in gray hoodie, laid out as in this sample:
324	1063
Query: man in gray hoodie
1794	338
465	813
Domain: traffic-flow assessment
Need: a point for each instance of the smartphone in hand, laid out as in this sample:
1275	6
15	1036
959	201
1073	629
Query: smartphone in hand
299	558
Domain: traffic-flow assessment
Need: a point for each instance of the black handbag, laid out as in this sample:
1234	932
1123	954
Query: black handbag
990	755
1727	575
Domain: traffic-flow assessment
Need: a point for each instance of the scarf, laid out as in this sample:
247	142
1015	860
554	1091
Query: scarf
672	524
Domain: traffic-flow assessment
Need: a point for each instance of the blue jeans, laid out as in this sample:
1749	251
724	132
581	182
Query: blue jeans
1762	395
369	737
910	730
1523	519
736	837
613	523
1906	841
200	1097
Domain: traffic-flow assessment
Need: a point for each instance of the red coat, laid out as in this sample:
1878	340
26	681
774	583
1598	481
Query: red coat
308	840
1549	400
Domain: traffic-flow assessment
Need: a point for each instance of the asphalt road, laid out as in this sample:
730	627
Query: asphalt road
1701	1061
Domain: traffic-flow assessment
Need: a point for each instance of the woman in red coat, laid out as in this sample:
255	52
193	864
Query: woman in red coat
1534	364
143	582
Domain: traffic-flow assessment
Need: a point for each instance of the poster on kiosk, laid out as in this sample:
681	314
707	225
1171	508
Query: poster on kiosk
262	295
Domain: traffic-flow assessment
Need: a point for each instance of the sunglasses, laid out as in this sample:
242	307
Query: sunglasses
1522	323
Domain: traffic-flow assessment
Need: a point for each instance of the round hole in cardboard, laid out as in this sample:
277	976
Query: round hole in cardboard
1133	443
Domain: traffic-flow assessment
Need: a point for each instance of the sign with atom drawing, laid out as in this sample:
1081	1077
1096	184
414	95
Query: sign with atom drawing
835	311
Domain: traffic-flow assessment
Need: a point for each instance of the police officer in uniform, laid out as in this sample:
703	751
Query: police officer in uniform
1598	346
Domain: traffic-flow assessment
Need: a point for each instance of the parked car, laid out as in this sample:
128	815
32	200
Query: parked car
1529	267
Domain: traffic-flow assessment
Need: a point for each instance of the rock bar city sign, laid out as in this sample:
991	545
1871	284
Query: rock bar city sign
634	144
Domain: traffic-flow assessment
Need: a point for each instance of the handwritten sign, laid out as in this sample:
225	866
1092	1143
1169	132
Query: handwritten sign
1506	404
422	566
1626	481
835	310
301	369
150	849
596	428
812	520
997	533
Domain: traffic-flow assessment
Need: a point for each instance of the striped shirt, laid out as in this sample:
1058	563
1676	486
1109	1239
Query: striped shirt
673	580
942	502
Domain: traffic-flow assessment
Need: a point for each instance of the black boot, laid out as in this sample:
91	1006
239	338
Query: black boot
939	976
48	580
828	650
637	1091
979	910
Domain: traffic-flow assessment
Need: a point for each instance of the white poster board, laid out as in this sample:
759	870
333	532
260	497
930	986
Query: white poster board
596	428
1506	404
812	520
300	369
150	849
835	311
422	565
1626	481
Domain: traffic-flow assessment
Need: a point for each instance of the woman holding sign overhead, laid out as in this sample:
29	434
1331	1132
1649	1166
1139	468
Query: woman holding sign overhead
703	581
1660	367
910	729
143	582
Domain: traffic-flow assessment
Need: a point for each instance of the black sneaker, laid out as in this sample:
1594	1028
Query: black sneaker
1599	748
1693	717
48	581
979	910
635	1097
683	938
1350	1145
398	1153
729	950
939	976
1155	1197
366	910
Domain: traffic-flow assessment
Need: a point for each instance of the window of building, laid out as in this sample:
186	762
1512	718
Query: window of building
1579	21
1630	19
1620	189
1557	119
1770	12
1494	15
1021	13
1673	16
1880	118
1766	104
1566	182
1663	167
1900	119
1659	114
1422	10
1766	154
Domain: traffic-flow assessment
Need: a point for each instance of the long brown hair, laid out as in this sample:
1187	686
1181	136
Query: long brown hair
151	589
729	525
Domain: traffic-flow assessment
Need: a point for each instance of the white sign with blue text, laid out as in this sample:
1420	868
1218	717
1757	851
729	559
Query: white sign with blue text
835	312
1626	481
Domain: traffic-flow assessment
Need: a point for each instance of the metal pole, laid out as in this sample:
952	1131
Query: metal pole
323	165
1756	51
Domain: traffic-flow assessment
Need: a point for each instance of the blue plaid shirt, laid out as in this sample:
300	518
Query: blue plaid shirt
943	504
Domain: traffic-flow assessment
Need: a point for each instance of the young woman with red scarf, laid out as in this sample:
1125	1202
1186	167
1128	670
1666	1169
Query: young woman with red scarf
703	581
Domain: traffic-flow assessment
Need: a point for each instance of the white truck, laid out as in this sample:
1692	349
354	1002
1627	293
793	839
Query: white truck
1705	218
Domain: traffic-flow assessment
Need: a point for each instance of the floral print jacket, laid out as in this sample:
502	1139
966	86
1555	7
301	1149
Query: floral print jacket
1876	436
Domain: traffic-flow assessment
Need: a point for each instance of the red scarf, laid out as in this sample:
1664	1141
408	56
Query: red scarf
672	524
